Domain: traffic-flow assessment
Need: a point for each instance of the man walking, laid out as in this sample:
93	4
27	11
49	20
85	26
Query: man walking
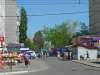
26	60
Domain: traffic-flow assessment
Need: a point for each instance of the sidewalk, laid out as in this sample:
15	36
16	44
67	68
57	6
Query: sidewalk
87	63
35	65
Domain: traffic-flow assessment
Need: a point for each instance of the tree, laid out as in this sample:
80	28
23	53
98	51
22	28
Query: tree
77	34
84	29
38	39
29	43
23	26
59	35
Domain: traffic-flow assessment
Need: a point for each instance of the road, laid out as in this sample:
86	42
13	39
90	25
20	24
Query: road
57	67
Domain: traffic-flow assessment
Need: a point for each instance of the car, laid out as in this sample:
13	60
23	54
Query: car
32	54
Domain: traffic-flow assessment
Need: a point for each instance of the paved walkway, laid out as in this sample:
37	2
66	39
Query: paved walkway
88	63
36	65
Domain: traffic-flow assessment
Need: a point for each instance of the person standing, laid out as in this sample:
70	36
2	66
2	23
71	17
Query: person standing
87	55
45	55
58	55
26	60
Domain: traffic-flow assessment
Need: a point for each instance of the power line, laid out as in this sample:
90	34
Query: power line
53	1
34	4
50	14
45	3
47	14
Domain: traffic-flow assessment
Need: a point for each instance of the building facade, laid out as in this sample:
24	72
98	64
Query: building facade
9	21
82	53
94	16
2	19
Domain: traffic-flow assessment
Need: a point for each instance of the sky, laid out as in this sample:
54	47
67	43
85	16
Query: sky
44	13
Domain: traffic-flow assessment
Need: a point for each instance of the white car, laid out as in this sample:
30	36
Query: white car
32	54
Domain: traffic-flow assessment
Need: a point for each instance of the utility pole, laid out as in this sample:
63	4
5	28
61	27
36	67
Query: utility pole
79	1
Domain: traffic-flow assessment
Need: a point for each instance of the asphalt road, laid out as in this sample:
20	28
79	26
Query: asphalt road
57	67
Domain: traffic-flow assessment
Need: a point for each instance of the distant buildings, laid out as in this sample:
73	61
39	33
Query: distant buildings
94	15
9	21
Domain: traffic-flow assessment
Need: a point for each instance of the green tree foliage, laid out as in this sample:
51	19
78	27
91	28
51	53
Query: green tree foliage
38	40
23	26
84	29
59	35
72	27
77	34
29	43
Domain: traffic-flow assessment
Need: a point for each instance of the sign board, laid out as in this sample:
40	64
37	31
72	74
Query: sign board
24	49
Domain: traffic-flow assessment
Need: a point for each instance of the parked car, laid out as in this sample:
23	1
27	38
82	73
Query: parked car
32	54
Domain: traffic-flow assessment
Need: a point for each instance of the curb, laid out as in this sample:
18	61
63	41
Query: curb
91	65
22	72
11	73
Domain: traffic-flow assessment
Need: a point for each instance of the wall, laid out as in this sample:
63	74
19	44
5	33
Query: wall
94	16
2	20
83	51
11	27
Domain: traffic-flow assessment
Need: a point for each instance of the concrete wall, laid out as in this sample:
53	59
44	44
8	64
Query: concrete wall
83	51
11	27
2	18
